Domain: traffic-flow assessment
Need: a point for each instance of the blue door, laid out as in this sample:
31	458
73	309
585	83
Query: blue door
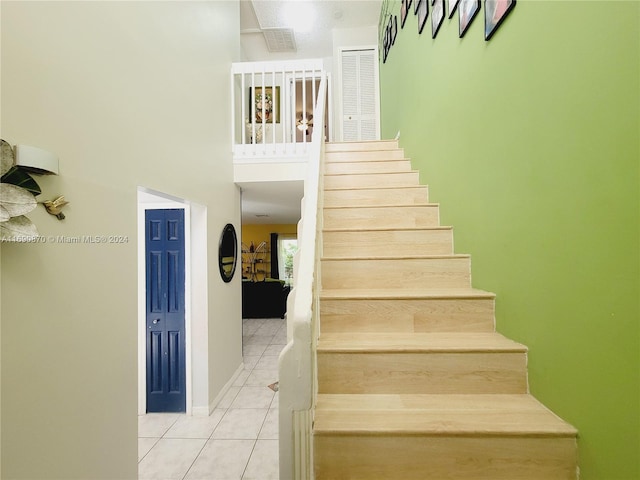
165	310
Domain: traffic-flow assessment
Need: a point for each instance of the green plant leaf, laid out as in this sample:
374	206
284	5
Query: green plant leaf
18	177
7	157
15	201
18	229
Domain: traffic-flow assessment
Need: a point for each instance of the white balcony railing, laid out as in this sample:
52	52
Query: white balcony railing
273	108
297	367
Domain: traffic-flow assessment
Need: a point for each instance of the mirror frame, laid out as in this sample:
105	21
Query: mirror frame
222	245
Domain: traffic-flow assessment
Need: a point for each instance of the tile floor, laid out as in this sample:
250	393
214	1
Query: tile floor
239	440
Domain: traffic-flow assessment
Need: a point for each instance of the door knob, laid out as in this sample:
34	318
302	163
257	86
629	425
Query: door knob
156	321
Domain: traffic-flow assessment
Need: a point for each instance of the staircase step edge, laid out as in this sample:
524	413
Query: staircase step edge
426	204
381	187
418	343
353	174
388	229
400	257
403	294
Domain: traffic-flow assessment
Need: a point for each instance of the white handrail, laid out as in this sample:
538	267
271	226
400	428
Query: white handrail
297	372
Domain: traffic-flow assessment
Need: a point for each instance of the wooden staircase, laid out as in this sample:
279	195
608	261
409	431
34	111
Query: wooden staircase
413	380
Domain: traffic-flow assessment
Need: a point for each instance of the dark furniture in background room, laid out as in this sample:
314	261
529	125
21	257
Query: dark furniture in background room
267	299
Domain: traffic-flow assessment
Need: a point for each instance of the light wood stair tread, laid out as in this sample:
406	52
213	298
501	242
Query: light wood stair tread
381	187
355	174
398	257
450	342
367	145
388	229
437	415
343	207
404	294
366	161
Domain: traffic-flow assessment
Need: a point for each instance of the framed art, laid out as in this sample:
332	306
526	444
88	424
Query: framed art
387	39
416	6
394	30
409	6
495	11
437	15
467	11
271	101
385	44
423	12
452	8
403	13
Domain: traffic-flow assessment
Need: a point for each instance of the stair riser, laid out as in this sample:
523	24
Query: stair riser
387	243
407	315
372	197
382	217
372	180
396	457
359	146
401	274
392	166
364	156
422	373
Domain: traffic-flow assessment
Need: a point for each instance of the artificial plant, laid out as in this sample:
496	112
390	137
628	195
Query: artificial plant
17	198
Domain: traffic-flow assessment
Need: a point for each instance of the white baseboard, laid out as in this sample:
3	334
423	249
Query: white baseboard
206	411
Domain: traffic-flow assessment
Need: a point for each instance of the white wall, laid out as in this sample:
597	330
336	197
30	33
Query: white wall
127	94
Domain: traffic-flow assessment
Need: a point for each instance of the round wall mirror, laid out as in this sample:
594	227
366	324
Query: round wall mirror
228	252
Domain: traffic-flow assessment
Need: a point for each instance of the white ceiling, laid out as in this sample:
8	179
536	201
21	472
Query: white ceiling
271	202
281	200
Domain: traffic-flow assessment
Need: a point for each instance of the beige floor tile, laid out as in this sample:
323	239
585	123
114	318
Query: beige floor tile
155	424
195	427
253	350
253	397
250	361
270	427
261	378
273	350
170	459
269	327
229	397
240	424
263	464
268	362
259	340
222	460
242	378
145	445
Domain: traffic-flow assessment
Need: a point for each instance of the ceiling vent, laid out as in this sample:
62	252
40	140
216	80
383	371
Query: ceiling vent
280	39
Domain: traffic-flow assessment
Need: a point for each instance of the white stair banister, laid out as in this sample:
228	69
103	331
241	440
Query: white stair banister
297	361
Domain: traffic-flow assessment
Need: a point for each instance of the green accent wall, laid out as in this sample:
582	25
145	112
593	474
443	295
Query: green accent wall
530	143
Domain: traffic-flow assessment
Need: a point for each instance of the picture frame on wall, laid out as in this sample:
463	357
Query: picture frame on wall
423	13
271	100
403	13
416	6
394	30
495	11
437	16
467	11
386	42
452	8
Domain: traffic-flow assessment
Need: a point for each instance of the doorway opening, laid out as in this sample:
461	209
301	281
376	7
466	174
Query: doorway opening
195	299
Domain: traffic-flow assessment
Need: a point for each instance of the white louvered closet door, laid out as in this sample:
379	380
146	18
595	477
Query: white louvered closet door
360	95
